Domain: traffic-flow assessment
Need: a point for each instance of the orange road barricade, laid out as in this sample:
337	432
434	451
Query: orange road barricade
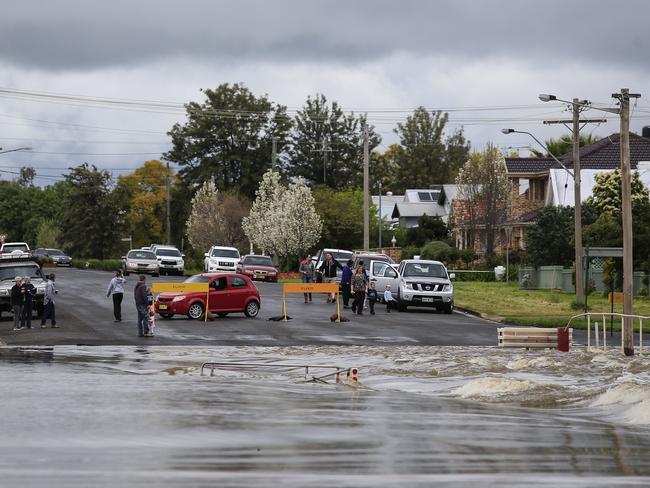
310	288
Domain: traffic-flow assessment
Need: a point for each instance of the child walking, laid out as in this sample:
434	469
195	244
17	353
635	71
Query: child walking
388	298
372	296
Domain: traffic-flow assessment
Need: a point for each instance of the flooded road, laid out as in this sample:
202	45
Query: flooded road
458	416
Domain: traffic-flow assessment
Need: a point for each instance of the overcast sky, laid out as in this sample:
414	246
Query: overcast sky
368	55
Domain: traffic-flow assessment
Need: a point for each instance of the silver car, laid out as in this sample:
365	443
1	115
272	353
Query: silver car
425	283
140	262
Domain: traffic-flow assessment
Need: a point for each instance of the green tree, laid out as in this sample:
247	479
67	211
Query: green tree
142	196
327	145
429	228
90	213
562	145
48	234
228	138
554	225
607	196
428	157
342	214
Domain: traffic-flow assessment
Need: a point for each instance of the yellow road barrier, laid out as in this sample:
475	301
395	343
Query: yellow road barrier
310	288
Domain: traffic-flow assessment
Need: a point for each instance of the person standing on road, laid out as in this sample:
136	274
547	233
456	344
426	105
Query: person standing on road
372	296
48	303
17	302
346	282
388	298
359	286
116	288
328	269
141	304
307	273
29	292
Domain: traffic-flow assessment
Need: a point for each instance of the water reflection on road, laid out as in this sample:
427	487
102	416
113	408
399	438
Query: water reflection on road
120	416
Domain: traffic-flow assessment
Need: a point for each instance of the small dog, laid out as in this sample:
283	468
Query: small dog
334	317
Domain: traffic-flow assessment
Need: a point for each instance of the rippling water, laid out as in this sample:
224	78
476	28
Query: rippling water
458	416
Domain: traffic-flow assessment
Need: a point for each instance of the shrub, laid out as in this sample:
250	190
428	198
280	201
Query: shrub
439	251
99	264
409	252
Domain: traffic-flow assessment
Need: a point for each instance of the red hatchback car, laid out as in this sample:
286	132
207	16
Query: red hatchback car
229	293
258	268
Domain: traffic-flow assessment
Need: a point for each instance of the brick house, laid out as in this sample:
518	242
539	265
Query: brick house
538	182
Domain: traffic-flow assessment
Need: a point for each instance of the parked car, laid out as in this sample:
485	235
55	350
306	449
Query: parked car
15	250
141	262
170	260
229	293
221	259
23	267
57	256
383	273
424	283
258	268
366	257
341	255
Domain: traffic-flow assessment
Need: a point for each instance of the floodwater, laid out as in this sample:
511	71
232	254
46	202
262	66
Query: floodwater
419	416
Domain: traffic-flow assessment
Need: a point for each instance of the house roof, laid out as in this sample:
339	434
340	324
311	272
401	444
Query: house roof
406	209
606	153
529	165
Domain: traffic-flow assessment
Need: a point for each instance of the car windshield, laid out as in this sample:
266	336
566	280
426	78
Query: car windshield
17	247
168	252
55	252
9	273
426	270
197	279
258	261
225	253
141	255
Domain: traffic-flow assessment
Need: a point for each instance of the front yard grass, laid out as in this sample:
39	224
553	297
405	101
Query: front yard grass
507	303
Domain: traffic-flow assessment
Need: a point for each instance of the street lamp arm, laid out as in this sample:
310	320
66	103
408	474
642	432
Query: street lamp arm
511	131
580	103
14	150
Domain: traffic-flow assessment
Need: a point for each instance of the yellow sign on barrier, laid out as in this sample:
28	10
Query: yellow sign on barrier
180	287
310	288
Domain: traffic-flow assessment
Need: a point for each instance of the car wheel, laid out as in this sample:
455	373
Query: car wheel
449	308
222	314
166	315
195	311
252	309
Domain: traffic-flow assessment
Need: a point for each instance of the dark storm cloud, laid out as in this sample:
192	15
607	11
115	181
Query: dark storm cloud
79	34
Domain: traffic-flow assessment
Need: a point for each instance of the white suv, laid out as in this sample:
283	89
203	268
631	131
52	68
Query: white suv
221	259
170	260
15	250
425	283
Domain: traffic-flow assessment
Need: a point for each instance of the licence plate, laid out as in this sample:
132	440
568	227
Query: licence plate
162	307
428	300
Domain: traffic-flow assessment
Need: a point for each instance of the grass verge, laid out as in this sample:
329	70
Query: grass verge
507	303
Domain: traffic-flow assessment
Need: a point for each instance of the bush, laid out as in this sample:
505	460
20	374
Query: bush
409	252
99	264
439	251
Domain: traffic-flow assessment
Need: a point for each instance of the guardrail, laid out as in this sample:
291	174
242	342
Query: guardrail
351	374
531	337
609	314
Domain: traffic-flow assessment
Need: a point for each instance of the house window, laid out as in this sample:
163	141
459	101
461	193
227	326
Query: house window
524	187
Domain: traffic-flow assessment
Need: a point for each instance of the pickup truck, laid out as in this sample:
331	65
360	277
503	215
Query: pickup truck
23	267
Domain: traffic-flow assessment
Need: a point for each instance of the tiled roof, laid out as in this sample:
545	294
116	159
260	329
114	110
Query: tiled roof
529	165
602	154
606	153
525	218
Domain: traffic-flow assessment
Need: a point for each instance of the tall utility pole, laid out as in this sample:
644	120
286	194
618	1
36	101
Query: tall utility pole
169	199
274	155
366	178
576	107
381	221
626	190
325	151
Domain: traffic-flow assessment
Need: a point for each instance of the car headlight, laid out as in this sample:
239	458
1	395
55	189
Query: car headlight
40	290
153	265
407	286
448	287
178	298
4	292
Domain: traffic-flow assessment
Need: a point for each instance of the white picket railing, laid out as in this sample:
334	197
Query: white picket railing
641	318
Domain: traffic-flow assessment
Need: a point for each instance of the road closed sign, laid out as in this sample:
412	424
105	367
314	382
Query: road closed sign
180	287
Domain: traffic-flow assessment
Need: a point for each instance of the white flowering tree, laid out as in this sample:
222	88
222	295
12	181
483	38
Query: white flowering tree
206	221
283	221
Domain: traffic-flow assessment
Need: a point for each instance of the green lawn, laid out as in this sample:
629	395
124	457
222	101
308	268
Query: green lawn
509	304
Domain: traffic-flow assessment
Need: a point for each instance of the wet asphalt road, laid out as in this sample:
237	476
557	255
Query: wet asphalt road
86	317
